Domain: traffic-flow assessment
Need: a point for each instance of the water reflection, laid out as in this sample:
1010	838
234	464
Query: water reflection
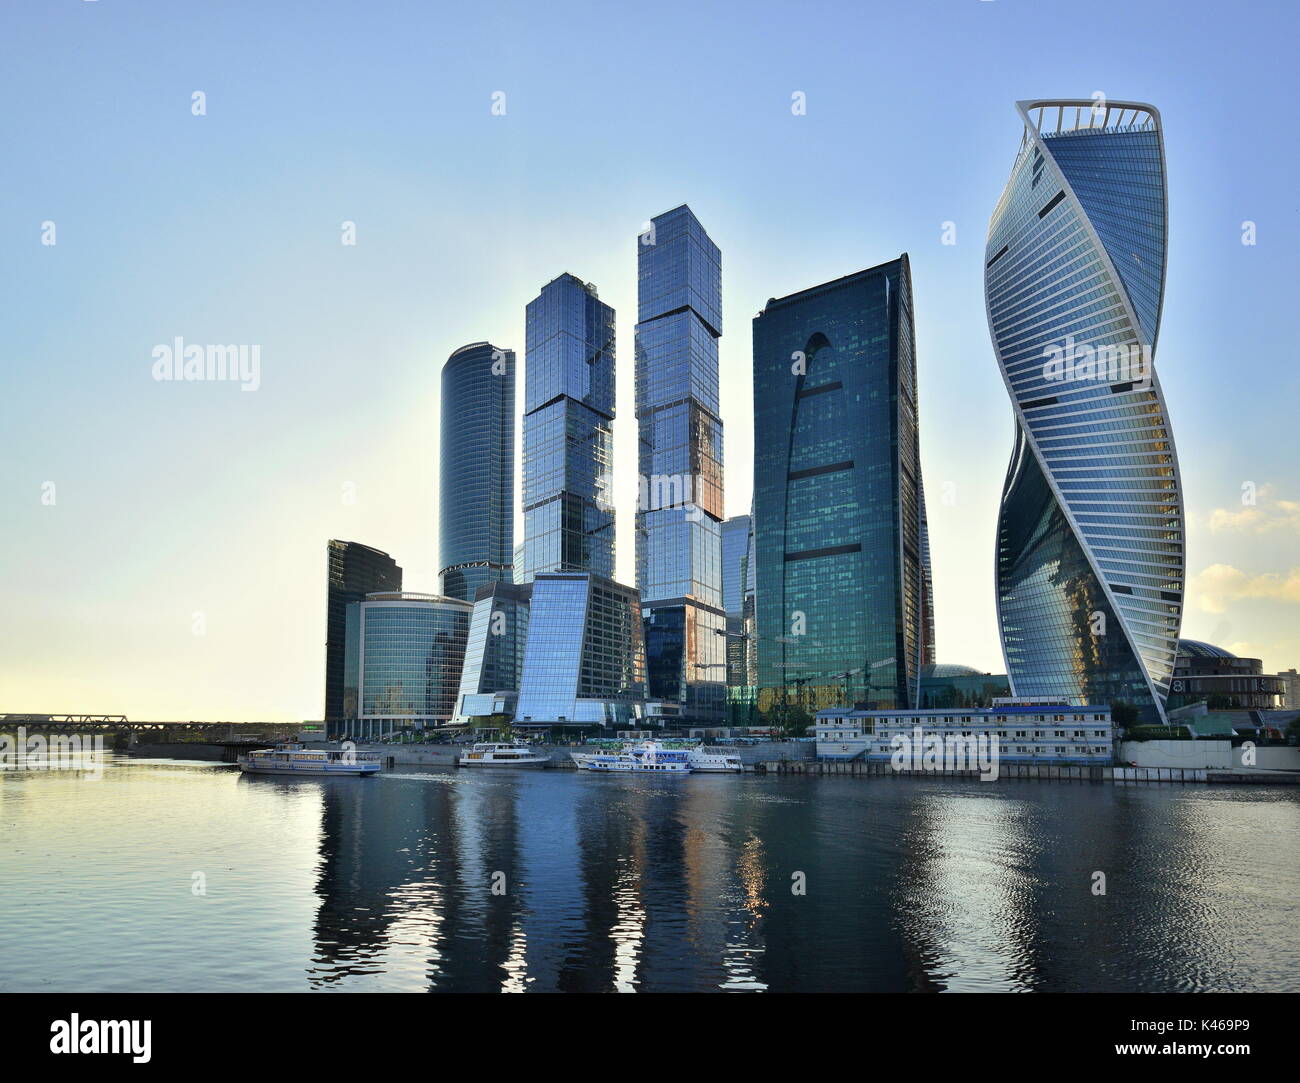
556	881
625	884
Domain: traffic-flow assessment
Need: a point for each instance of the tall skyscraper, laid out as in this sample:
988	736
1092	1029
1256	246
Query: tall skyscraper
353	571
1090	563
844	614
476	507
736	533
568	414
679	507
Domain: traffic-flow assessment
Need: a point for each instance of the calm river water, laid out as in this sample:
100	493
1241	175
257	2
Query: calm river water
175	876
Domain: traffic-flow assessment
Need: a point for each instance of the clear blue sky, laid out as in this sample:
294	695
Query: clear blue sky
176	500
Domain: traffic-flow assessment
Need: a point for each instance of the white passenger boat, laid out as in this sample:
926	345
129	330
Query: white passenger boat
647	756
503	755
290	759
702	759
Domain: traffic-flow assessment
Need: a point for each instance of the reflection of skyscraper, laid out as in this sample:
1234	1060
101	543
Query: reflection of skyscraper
679	545
1090	560
476	482
568	413
354	570
841	547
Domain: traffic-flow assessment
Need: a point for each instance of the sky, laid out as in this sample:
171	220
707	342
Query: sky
163	550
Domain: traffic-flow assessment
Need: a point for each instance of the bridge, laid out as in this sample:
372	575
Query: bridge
152	732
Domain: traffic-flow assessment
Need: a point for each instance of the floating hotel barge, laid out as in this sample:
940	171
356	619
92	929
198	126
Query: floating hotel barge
1028	731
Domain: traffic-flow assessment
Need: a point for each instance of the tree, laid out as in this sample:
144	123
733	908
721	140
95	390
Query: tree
1123	713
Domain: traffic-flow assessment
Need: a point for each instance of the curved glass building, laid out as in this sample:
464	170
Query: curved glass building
1090	563
402	662
476	485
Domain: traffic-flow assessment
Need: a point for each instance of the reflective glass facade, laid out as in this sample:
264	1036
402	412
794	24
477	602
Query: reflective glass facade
476	498
403	658
1090	562
841	553
494	655
736	533
355	570
584	662
679	507
568	450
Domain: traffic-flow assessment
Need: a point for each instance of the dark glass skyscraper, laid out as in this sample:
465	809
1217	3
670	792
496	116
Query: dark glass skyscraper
844	615
568	414
1090	563
354	570
476	489
679	507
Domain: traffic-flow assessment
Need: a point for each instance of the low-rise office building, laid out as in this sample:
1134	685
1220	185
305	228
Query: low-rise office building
584	662
402	663
1027	731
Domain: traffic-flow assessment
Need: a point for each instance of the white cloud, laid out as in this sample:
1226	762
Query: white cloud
1262	517
1220	584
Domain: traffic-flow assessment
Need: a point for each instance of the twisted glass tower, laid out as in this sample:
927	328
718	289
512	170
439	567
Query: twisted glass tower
1090	563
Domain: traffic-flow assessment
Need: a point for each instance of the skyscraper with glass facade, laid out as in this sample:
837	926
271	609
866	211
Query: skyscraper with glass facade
679	506
584	662
843	609
568	414
735	551
494	655
353	571
476	485
1090	562
402	662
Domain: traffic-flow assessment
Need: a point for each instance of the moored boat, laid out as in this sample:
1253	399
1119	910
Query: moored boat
490	754
650	756
293	759
707	762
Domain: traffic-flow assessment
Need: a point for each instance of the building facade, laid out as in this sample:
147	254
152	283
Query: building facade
353	571
679	505
494	654
841	554
402	663
568	418
1090	562
476	481
1209	674
1031	732
584	661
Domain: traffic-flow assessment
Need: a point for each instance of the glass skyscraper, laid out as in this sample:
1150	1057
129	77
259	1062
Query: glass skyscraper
1090	562
568	414
842	586
735	551
679	506
403	662
494	655
354	570
584	662
476	489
